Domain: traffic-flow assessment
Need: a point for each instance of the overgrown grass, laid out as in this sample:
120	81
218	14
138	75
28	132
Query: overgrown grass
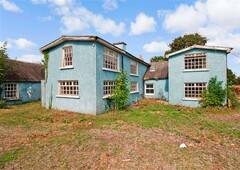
32	136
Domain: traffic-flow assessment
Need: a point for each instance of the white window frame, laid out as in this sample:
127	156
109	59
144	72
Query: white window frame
133	65
11	91
194	90
152	68
108	88
66	55
195	61
151	88
68	88
135	88
110	60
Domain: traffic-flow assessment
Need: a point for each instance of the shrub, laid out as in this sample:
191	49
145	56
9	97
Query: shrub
120	94
231	95
214	95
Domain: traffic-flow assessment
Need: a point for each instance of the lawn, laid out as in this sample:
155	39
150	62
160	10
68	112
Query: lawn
144	136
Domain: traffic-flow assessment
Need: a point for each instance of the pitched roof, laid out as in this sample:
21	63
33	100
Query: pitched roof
90	38
158	70
24	71
207	47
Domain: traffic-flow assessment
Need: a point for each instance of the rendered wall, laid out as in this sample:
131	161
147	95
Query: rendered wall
84	70
124	64
160	89
216	66
28	92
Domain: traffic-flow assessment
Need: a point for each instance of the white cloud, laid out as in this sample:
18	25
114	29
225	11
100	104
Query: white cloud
10	6
238	59
110	5
33	58
186	18
82	19
8	45
155	47
76	18
142	24
21	44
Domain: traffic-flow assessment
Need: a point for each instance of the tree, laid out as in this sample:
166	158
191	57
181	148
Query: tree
158	58
121	93
5	66
231	77
186	41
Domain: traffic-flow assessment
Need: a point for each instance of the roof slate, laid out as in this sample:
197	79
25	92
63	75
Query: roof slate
26	72
161	71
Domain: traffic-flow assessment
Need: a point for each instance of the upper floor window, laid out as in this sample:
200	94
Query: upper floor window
194	90
108	88
134	67
152	68
11	91
68	88
134	87
195	61
110	60
67	56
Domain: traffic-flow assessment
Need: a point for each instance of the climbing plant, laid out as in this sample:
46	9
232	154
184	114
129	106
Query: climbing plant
45	63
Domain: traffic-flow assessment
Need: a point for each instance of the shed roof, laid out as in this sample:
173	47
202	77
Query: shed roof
89	38
207	47
25	72
160	71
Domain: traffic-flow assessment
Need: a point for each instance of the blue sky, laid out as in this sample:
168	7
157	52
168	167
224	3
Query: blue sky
147	26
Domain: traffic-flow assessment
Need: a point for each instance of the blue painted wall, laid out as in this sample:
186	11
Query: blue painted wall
84	70
216	66
87	69
160	89
28	92
124	63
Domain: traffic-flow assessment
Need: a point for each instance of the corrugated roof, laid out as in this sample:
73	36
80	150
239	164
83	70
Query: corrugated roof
208	47
25	71
158	70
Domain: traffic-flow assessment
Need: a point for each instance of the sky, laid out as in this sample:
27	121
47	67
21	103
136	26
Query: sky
146	26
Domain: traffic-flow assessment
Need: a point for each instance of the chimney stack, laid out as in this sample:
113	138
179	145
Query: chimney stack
121	45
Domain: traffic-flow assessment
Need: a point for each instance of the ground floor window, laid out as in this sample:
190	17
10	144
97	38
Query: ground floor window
68	88
149	89
108	88
11	91
134	87
194	90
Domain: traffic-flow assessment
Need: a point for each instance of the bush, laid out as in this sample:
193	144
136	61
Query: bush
120	94
214	95
3	104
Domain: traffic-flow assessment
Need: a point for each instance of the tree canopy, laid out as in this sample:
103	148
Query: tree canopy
158	58
185	41
232	78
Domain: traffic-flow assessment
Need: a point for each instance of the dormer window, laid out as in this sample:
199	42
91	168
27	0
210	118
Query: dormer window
67	56
152	68
195	61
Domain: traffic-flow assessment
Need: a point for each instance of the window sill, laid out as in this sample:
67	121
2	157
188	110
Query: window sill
134	92
149	94
62	96
136	75
196	70
191	99
67	67
106	69
12	99
106	96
